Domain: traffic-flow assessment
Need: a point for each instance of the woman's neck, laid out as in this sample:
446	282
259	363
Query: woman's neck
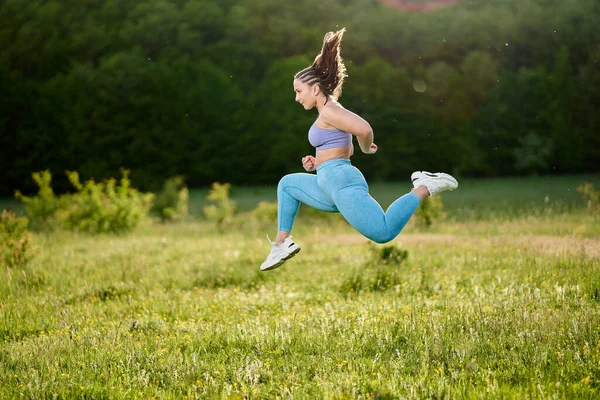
322	101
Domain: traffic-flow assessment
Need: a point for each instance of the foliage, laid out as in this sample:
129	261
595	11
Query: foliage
43	207
379	273
171	203
430	210
389	254
591	197
16	248
93	207
104	207
194	87
533	153
221	213
265	212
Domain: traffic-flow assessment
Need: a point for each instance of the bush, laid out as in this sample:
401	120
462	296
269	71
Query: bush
172	203
389	254
431	209
106	206
15	240
379	274
43	207
590	196
94	207
222	212
265	211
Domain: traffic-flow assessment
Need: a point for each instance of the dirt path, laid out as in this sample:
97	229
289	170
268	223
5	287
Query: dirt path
555	245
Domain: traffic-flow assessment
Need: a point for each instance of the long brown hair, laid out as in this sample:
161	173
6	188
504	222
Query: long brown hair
328	69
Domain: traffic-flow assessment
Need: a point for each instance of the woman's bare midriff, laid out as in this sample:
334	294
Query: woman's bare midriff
332	154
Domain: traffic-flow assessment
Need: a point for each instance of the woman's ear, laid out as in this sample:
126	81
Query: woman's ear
316	90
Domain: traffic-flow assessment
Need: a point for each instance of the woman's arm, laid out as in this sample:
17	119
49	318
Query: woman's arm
347	121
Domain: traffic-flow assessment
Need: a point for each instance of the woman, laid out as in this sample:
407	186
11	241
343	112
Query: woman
338	186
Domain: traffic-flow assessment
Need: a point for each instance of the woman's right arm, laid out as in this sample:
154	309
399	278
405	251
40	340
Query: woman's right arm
347	121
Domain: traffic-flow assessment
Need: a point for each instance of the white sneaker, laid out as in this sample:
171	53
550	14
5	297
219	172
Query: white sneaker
279	254
434	182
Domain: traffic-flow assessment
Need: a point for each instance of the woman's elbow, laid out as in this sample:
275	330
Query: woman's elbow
365	132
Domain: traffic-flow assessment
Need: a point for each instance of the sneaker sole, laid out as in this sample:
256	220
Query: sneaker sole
449	178
283	260
441	175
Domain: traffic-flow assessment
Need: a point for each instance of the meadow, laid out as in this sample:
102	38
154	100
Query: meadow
500	299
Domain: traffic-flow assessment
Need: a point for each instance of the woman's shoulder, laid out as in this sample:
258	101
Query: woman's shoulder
332	111
343	119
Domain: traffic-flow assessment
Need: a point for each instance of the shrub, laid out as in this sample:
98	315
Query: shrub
590	196
172	203
389	254
265	212
222	212
94	207
15	240
106	206
431	209
43	207
379	274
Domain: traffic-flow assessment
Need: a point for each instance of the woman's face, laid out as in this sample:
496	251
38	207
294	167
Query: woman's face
305	94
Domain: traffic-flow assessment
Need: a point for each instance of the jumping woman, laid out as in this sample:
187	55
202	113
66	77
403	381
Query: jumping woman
338	186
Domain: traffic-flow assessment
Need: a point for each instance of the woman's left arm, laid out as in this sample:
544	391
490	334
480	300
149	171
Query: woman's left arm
347	121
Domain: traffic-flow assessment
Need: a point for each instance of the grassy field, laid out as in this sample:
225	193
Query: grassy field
499	300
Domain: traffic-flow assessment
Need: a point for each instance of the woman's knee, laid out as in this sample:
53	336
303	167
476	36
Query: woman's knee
292	178
284	182
381	237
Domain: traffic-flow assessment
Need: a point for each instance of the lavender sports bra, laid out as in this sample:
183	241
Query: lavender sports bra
323	139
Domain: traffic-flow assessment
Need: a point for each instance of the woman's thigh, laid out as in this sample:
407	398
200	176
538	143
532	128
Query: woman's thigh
304	188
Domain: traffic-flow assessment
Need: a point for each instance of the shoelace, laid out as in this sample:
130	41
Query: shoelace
271	243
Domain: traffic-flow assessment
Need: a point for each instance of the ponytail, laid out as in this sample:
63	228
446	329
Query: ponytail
328	68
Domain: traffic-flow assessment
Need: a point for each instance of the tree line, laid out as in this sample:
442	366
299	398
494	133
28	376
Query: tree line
203	88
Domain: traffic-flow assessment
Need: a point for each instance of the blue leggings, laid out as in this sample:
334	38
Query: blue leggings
340	187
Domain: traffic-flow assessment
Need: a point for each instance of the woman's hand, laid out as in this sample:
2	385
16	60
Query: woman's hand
372	150
309	163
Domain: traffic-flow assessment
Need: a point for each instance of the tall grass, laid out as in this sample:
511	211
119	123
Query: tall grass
503	307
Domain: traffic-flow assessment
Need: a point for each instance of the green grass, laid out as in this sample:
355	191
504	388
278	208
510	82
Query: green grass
505	305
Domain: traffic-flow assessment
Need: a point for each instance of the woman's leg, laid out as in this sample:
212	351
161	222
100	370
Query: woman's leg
365	214
347	188
292	190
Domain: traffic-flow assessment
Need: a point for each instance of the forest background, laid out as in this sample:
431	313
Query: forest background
203	88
